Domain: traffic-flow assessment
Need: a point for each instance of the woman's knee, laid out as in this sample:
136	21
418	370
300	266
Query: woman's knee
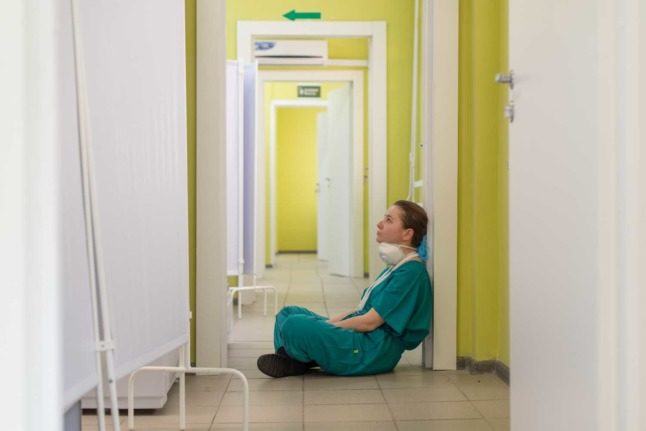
291	310
298	326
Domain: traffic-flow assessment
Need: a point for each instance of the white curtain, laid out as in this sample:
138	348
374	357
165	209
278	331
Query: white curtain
249	239
241	97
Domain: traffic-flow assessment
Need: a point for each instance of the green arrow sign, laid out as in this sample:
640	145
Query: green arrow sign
293	15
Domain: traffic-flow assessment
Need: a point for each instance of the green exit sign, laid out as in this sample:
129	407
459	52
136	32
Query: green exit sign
309	91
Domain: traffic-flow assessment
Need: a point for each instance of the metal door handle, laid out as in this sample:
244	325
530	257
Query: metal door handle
502	78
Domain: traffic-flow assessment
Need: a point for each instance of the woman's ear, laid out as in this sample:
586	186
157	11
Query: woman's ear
408	235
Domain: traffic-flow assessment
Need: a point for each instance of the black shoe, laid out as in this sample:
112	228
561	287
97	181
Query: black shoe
276	365
282	352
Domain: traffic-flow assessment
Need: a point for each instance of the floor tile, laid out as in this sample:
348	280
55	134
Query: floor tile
284	384
406	368
193	399
445	425
247	353
347	413
305	278
276	426
333	312
314	382
255	374
493	409
413	380
499	424
197	415
301	298
246	345
93	419
189	427
423	394
352	396
351	426
261	413
90	422
264	398
435	410
481	386
206	383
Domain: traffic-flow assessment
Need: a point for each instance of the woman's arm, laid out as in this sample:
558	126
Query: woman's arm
339	317
364	323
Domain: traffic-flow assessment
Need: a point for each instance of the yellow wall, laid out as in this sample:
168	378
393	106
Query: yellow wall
296	166
191	125
483	315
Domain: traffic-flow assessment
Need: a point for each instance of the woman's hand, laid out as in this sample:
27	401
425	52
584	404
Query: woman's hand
364	323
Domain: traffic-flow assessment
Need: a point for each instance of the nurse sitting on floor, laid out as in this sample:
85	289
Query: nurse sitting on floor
394	313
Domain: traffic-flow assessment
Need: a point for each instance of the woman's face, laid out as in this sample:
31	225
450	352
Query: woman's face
391	227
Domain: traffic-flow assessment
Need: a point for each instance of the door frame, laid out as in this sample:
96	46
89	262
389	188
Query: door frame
356	80
439	81
375	32
273	129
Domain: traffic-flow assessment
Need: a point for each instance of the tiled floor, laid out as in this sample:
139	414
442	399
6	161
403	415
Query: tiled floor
408	399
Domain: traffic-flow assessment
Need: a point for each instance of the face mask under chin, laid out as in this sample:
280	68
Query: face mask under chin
392	254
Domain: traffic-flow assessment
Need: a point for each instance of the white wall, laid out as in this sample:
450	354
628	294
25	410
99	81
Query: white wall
30	285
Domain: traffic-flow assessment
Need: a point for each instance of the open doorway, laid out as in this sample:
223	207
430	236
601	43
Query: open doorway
351	262
294	194
375	34
330	189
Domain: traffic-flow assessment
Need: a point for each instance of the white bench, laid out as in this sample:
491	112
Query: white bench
265	289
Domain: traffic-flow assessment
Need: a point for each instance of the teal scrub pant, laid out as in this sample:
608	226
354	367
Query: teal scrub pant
306	336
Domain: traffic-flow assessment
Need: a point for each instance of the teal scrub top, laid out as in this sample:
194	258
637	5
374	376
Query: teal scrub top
405	302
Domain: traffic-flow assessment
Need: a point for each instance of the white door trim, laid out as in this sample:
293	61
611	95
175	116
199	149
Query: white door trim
375	31
440	145
275	104
210	217
356	79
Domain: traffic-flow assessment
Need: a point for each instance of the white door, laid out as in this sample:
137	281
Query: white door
322	188
555	156
339	139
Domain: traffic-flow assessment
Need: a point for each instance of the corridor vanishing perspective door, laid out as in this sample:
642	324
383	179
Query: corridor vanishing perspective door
339	141
322	188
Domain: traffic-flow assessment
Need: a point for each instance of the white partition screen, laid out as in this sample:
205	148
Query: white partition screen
234	169
249	239
135	72
241	96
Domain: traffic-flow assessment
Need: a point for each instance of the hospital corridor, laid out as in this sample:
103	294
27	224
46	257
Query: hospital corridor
383	215
407	399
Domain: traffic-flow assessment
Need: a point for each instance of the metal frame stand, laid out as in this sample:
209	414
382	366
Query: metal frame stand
101	312
184	368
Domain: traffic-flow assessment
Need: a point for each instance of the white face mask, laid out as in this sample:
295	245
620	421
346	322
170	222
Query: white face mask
392	254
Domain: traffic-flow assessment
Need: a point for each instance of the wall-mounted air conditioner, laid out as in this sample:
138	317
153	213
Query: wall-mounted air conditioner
290	51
